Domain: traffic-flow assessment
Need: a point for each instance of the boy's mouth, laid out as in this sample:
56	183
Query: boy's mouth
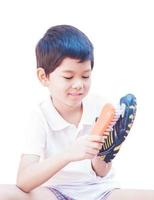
75	94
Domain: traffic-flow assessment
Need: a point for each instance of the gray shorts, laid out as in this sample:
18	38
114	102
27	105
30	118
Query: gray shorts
61	196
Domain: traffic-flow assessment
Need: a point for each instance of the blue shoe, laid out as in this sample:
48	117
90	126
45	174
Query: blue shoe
120	130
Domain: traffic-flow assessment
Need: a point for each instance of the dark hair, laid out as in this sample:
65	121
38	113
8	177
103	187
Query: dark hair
60	42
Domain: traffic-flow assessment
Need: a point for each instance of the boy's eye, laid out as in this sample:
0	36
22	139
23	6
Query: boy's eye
85	76
67	77
70	77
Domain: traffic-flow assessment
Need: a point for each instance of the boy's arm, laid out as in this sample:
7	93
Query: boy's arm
32	172
100	167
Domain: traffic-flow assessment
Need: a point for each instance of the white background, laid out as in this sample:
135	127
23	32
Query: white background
123	35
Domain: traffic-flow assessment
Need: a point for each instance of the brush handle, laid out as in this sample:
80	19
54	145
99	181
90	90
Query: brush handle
105	118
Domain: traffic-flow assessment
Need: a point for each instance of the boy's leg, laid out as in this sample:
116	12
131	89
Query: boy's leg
12	192
42	193
128	194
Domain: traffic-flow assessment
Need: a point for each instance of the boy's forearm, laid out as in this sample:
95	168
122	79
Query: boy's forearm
100	167
38	173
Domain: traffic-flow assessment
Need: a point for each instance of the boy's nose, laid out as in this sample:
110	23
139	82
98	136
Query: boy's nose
77	85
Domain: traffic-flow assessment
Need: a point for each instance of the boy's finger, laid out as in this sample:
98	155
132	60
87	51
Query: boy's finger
96	138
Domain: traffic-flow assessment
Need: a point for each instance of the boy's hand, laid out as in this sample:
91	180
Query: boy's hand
85	147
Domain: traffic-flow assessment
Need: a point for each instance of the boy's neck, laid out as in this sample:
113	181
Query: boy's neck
71	114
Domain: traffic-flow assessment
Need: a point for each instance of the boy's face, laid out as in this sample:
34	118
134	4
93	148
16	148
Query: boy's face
70	82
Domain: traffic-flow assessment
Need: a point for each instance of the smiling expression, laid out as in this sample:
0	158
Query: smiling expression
70	82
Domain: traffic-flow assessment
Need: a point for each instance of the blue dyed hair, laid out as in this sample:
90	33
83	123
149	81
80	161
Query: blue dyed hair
60	42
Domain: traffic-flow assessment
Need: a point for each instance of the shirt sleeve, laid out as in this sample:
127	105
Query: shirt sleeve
34	134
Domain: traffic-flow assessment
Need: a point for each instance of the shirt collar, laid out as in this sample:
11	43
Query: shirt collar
89	112
57	122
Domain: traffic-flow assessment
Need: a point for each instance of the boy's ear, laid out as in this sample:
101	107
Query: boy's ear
42	76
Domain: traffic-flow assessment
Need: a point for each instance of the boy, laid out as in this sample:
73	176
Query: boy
63	122
61	158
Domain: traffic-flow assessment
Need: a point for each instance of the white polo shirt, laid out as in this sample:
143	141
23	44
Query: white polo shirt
48	134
